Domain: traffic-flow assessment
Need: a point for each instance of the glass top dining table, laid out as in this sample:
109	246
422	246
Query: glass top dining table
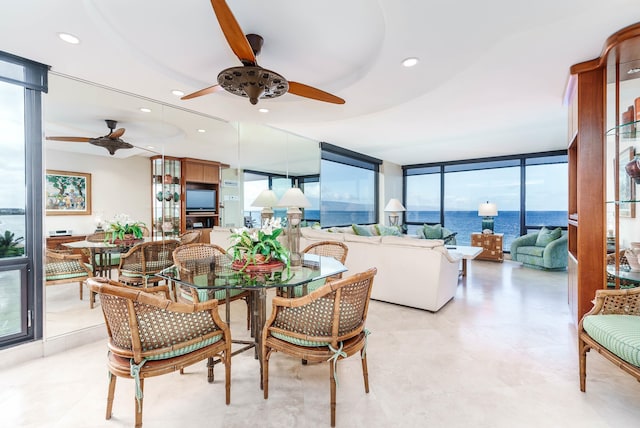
221	274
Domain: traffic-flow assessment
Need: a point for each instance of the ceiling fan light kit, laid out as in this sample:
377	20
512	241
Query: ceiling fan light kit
253	82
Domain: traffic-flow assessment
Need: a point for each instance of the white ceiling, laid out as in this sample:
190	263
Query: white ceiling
490	80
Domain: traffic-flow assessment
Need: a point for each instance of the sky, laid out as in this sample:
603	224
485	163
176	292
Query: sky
12	185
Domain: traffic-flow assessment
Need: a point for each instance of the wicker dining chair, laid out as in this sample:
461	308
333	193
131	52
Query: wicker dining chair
190	237
197	259
63	267
326	325
139	265
151	336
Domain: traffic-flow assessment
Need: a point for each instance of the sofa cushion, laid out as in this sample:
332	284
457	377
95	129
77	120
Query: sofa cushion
387	230
363	230
366	239
321	235
620	334
411	242
341	229
546	236
531	251
433	232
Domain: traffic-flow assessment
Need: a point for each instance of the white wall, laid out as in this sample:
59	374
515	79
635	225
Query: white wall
390	187
118	186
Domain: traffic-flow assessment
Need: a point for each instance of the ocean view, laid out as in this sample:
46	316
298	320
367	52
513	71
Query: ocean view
462	222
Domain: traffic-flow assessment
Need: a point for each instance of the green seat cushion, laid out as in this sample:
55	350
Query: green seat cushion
362	230
531	251
186	349
299	342
546	236
66	276
433	232
312	286
387	230
620	334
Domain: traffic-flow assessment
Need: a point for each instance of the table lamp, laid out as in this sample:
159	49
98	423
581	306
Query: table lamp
393	208
294	199
266	200
487	211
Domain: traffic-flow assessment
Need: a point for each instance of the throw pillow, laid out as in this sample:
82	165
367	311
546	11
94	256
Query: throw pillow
433	232
546	236
420	232
387	230
362	230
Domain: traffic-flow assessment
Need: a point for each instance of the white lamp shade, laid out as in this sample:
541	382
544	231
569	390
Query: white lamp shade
487	209
266	199
394	205
294	198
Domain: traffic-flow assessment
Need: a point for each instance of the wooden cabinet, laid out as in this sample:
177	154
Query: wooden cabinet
55	242
599	92
199	171
491	244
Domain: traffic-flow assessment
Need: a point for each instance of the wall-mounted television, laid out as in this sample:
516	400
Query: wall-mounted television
201	200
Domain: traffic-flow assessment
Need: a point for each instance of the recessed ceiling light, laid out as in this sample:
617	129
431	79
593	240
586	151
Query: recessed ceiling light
151	147
263	110
202	131
177	92
410	62
145	110
634	70
69	38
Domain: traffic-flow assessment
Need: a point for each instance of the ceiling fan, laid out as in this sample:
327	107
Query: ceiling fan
251	80
111	141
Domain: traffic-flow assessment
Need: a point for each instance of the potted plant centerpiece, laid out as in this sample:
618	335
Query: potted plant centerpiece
123	231
259	250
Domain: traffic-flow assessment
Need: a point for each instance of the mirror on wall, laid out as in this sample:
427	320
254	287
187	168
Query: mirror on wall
122	184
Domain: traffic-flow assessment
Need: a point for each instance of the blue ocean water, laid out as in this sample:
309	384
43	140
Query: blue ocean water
462	222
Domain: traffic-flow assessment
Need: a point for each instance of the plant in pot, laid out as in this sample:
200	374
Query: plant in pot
9	245
124	231
256	250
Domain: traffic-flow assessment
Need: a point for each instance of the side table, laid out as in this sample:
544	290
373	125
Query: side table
491	246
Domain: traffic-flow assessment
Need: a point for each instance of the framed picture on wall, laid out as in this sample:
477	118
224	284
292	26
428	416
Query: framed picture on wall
67	193
627	189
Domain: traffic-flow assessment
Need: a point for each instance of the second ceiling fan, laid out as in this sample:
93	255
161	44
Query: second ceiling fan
250	80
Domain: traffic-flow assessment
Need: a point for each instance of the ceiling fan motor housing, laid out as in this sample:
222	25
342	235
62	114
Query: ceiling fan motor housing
253	82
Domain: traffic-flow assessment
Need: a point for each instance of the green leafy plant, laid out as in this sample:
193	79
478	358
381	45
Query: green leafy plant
9	245
121	226
259	246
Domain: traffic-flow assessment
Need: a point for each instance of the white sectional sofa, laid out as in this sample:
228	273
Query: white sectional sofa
419	273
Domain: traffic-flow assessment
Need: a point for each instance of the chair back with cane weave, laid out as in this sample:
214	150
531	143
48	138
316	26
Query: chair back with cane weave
139	265
325	325
62	267
190	237
151	336
198	259
335	249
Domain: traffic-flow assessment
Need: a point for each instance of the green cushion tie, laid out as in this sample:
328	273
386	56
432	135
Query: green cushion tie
337	353
135	374
364	348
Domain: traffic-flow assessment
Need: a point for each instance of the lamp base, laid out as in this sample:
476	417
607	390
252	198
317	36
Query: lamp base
487	224
393	220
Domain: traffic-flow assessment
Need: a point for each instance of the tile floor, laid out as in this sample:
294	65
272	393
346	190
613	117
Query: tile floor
503	353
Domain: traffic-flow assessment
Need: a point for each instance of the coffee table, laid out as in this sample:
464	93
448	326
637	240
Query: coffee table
466	253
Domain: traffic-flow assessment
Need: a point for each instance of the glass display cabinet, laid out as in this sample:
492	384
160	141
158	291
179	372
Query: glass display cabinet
167	196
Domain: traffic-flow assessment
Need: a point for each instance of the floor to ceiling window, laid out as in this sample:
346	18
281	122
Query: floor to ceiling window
348	187
530	191
21	82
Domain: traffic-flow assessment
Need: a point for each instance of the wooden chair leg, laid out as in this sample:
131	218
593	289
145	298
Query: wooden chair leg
582	349
265	374
112	389
81	285
333	392
138	407
210	365
92	299
365	372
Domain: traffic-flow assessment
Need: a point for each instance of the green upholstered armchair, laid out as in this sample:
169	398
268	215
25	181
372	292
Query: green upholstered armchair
529	251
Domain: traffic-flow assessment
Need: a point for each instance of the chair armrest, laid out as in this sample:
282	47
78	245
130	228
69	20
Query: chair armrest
523	241
556	252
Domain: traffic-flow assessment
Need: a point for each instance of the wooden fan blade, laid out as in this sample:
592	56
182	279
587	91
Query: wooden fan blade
116	134
201	92
233	33
314	93
70	139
